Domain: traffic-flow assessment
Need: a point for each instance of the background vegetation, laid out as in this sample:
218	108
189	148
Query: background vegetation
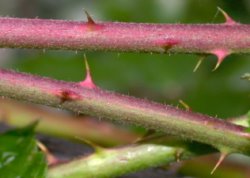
158	77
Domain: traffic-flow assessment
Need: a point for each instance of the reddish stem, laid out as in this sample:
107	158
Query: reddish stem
96	102
133	37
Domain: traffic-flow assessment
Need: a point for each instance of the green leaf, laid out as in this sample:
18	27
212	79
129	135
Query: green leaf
19	155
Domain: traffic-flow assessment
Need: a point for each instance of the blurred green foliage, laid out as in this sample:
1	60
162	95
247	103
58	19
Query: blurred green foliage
163	78
19	156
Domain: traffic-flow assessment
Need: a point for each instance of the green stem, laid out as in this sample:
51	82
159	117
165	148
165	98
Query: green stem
149	153
120	161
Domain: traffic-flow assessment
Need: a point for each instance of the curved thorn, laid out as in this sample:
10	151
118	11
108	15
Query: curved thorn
198	63
96	147
229	20
89	18
87	82
220	54
185	105
178	154
217	65
52	160
221	159
145	136
86	64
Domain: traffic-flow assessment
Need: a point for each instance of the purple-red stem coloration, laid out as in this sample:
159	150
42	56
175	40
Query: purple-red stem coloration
79	98
218	39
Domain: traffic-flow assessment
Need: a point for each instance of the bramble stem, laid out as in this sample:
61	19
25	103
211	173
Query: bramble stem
131	37
222	135
149	153
116	162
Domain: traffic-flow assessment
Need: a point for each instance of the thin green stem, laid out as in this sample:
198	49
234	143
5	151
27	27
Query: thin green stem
120	161
150	152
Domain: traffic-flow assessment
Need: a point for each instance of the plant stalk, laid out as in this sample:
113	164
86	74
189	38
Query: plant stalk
63	125
120	161
96	102
124	37
150	152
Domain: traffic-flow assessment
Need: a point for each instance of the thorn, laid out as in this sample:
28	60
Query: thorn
178	154
185	105
96	147
52	160
66	95
89	18
87	82
146	135
222	157
199	63
220	54
149	133
229	20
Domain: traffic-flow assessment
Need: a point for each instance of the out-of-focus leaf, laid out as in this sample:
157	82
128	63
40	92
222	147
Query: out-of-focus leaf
19	155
